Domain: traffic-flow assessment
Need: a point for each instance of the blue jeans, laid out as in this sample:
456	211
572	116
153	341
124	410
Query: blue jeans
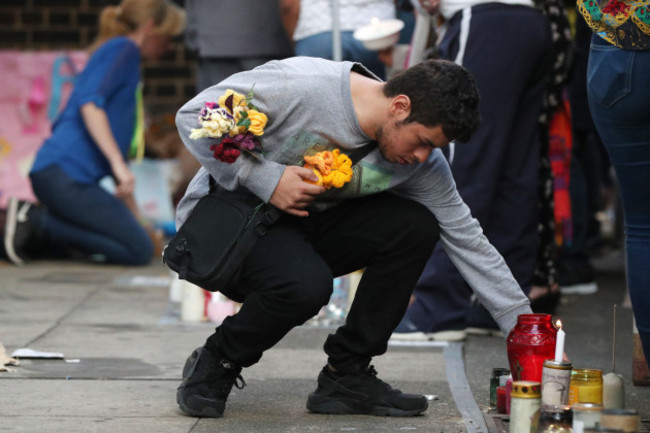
320	45
619	98
86	218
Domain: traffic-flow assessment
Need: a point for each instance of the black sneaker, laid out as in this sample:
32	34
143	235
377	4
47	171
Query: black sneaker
576	277
362	393
207	381
18	230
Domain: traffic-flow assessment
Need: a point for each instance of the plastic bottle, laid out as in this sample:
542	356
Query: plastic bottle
193	306
337	308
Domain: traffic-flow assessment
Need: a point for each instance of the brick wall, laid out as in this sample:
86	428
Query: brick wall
72	24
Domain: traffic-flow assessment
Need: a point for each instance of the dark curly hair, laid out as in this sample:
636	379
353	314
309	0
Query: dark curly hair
442	93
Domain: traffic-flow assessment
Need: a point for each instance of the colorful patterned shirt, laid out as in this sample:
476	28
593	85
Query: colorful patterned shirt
623	23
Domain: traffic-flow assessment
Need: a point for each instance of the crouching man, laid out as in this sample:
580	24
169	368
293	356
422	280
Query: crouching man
355	166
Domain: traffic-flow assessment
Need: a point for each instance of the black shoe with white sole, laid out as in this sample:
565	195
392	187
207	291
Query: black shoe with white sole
207	381
362	393
18	230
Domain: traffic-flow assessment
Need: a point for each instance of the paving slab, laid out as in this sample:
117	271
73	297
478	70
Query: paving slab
124	357
122	363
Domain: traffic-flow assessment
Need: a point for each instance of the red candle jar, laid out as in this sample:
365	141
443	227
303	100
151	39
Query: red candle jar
501	399
508	394
529	344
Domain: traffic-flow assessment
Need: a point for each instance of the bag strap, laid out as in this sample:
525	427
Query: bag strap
355	156
271	215
271	212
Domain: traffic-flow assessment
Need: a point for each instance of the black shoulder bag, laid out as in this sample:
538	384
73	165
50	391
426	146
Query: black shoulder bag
209	248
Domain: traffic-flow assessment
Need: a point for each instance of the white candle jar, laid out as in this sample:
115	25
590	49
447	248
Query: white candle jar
556	378
585	416
525	401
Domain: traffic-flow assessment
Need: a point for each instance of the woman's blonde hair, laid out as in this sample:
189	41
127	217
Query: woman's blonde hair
131	14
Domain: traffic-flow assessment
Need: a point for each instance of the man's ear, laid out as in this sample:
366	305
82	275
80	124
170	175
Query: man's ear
400	106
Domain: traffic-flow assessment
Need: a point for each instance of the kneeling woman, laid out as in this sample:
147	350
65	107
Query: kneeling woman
93	137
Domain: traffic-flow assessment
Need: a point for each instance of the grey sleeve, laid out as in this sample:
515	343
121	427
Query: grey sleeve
480	264
257	176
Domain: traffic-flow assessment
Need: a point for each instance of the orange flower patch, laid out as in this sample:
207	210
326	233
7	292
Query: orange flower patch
334	169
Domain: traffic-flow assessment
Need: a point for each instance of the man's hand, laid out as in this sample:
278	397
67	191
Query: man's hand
386	56
293	194
431	6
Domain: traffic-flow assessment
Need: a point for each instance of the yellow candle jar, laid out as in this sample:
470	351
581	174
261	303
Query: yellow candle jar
586	386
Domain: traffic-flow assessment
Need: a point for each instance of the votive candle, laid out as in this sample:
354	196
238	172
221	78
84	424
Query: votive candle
559	342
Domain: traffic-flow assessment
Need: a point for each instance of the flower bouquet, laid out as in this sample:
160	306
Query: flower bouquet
235	118
334	169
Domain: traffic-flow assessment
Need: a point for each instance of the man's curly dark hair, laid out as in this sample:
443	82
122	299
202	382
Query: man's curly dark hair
442	93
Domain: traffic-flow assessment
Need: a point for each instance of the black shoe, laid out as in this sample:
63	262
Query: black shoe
18	230
362	393
576	277
546	303
207	381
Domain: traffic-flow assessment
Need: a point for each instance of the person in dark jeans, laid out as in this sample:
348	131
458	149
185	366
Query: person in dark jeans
399	200
496	172
575	271
619	101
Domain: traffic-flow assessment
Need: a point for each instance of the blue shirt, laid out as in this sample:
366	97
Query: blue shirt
109	80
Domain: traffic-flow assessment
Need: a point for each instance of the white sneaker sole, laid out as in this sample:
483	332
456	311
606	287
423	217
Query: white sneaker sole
429	336
10	232
484	331
580	289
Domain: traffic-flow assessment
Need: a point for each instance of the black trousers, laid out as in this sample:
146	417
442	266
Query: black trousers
288	277
496	172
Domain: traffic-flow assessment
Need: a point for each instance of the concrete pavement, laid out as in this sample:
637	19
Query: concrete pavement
123	361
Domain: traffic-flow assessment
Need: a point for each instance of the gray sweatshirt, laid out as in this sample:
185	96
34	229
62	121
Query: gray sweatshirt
309	108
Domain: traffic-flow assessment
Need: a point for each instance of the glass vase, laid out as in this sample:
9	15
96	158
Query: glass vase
529	344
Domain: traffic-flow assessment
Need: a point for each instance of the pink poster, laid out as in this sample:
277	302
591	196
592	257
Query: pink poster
35	87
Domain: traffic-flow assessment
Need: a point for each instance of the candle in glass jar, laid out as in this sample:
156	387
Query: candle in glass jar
501	399
525	402
586	386
529	344
497	374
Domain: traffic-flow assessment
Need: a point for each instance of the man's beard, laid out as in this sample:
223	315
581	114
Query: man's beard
380	136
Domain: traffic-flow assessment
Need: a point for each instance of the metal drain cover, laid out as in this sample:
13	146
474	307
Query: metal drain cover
86	368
